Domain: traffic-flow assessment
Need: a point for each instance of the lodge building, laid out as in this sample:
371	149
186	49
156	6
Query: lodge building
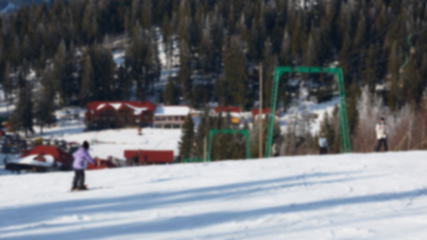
110	114
170	116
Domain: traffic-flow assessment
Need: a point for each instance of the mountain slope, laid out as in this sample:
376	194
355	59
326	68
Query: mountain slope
374	196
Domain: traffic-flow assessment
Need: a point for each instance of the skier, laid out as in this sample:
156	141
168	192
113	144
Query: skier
80	156
136	160
382	132
275	150
323	144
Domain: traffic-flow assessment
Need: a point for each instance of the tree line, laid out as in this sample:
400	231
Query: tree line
68	46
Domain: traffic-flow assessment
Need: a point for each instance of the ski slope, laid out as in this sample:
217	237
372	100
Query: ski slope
374	196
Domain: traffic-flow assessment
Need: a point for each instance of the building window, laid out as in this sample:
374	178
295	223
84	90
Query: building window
176	126
170	118
163	118
157	118
167	126
176	118
183	118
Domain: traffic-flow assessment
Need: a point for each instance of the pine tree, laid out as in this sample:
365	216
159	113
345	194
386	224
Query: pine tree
184	74
22	116
187	137
66	84
169	95
7	83
352	99
269	65
88	89
122	84
285	49
44	105
235	73
146	17
393	76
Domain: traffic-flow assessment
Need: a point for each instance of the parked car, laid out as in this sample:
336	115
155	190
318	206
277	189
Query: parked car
63	144
15	137
4	148
7	139
14	150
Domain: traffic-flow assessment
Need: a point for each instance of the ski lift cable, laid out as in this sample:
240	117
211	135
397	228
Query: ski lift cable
412	51
376	36
386	59
349	61
405	63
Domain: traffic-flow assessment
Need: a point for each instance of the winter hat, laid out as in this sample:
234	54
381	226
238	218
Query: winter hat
382	119
85	145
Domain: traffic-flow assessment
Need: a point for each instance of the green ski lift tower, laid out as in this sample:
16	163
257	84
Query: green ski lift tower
345	144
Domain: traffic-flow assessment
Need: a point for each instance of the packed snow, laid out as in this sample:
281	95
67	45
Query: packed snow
373	196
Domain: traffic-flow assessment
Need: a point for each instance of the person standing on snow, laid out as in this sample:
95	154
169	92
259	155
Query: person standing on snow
382	132
323	144
80	157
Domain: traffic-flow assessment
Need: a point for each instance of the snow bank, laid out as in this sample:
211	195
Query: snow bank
375	196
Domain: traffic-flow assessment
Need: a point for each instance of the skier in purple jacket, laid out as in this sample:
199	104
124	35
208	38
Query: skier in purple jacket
80	156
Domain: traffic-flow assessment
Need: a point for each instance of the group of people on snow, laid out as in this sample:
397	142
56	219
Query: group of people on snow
82	155
381	132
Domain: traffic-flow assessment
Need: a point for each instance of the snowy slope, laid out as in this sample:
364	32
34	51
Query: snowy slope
376	196
318	109
114	142
110	142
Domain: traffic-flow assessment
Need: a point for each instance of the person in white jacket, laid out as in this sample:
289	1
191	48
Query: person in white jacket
323	144
382	131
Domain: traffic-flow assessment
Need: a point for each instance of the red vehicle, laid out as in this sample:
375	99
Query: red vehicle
150	156
43	158
101	164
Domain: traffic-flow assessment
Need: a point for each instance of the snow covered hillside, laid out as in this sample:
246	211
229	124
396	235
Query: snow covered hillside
375	196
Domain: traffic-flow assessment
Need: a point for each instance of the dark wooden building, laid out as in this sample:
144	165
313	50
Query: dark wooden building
105	114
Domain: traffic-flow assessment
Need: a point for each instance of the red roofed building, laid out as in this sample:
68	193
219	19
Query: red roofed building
234	113
42	158
110	114
149	156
